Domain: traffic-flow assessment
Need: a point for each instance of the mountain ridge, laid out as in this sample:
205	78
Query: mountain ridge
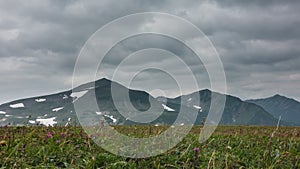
278	105
60	106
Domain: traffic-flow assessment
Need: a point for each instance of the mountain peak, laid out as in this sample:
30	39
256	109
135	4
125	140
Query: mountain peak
279	105
278	95
205	90
104	80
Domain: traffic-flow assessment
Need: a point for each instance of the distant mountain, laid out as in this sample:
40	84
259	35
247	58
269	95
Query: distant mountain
277	105
139	108
58	108
236	111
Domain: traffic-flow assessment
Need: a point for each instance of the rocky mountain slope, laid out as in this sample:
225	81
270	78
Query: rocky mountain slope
139	108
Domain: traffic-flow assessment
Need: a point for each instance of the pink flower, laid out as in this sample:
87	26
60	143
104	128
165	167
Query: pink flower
196	149
196	156
49	135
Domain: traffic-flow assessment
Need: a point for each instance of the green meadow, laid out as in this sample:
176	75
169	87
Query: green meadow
229	147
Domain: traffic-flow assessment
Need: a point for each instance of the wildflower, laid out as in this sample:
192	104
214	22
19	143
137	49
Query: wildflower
277	153
196	150
49	135
196	155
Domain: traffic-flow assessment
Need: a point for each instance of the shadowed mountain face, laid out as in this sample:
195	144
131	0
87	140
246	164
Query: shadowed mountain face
236	111
59	108
288	109
126	106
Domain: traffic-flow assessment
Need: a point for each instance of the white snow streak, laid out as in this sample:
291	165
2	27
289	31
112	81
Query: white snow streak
47	122
111	117
197	107
99	113
167	108
3	119
31	121
57	109
18	105
77	95
65	96
40	100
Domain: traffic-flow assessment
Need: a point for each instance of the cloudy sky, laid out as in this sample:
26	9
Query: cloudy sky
258	43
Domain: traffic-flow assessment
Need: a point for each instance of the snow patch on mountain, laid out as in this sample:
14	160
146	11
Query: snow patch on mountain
3	119
68	122
167	108
40	100
2	112
19	117
197	107
111	117
99	113
77	95
18	105
31	121
57	109
233	119
47	122
65	96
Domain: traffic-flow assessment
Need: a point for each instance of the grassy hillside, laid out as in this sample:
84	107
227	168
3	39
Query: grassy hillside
229	147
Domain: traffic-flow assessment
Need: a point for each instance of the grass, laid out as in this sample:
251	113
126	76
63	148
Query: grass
229	147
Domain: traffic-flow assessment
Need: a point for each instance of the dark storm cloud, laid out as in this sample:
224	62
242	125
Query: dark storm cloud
258	42
139	42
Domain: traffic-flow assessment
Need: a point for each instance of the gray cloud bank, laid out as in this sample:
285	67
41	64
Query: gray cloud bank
258	43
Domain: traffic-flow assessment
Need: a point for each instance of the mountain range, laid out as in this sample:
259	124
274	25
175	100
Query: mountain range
280	107
142	108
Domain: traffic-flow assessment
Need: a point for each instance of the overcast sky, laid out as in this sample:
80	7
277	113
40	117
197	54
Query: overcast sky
258	42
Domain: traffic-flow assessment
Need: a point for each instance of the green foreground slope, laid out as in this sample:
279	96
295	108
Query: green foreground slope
229	147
